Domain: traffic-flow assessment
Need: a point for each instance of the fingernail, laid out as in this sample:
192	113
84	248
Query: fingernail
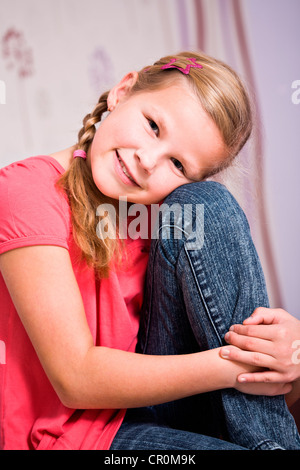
225	353
231	328
242	379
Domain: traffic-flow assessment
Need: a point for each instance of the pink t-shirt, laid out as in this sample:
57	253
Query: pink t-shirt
34	212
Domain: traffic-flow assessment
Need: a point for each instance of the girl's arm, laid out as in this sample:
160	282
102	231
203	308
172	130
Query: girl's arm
43	287
270	338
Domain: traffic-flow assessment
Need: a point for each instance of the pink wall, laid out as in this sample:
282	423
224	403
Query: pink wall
274	39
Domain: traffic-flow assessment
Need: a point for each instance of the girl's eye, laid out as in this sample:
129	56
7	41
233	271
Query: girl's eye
153	126
177	164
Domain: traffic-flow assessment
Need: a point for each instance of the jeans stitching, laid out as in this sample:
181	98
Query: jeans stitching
202	296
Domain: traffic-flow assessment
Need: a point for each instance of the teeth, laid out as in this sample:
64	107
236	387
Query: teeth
125	170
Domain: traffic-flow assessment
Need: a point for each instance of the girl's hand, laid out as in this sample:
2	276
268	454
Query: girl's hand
260	388
270	339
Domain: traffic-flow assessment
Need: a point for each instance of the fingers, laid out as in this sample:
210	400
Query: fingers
247	357
266	332
260	377
264	388
251	339
263	315
267	316
267	377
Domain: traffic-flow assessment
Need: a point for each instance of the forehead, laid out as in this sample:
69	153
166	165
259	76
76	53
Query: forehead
174	91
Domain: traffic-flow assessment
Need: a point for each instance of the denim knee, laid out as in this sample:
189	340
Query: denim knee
215	196
204	208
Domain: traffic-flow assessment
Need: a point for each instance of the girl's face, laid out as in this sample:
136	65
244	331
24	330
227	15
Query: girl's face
153	142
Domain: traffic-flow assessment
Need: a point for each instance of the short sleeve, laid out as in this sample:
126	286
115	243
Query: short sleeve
33	211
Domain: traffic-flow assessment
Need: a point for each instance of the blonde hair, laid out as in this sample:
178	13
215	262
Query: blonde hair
221	94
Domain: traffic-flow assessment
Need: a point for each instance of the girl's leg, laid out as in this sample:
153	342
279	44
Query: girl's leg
140	431
196	288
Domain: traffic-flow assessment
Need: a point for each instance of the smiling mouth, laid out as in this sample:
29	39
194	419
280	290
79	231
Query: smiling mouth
125	171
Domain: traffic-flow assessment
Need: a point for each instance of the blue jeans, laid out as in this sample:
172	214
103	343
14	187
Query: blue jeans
194	292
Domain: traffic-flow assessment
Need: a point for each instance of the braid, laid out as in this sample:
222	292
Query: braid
88	130
84	198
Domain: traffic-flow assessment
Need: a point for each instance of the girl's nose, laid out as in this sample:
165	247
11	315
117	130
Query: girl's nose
147	159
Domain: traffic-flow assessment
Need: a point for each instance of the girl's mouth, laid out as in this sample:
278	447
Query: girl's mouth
123	172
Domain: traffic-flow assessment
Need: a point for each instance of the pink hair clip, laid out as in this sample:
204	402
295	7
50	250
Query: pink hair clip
186	71
79	153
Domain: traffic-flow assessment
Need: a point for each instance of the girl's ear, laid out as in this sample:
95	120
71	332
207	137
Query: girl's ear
121	90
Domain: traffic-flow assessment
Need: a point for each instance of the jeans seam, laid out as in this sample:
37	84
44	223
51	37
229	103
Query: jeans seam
150	295
149	298
271	445
207	309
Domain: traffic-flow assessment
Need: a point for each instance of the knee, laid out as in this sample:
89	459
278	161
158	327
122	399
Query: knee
209	193
221	210
204	217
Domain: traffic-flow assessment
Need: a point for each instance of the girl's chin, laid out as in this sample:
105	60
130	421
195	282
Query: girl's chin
115	191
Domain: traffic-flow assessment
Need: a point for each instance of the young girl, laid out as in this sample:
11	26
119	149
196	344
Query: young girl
72	293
